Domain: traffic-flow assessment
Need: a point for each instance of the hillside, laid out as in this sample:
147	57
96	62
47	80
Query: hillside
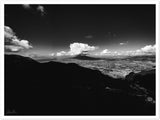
53	88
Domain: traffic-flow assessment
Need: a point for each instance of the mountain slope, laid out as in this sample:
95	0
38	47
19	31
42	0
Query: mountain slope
53	88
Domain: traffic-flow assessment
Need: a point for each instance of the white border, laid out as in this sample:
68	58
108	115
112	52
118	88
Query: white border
158	59
80	1
1	59
2	2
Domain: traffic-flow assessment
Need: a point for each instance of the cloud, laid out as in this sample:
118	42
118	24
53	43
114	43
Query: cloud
77	48
105	51
22	43
61	53
123	43
40	8
8	32
26	6
12	48
146	50
52	54
13	43
149	48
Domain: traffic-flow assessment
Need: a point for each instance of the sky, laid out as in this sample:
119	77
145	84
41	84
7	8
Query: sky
67	29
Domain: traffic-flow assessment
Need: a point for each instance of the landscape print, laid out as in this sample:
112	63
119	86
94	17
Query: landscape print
80	59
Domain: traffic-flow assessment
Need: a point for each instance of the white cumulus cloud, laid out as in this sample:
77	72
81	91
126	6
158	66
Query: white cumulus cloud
77	48
22	43
61	53
146	50
149	48
13	43
123	43
105	51
8	32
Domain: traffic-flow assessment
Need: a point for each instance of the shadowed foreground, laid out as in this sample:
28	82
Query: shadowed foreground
53	88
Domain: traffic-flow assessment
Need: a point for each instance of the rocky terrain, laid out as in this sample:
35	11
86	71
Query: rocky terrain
56	88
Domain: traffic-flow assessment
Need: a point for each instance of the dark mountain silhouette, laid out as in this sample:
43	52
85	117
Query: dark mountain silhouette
144	79
53	88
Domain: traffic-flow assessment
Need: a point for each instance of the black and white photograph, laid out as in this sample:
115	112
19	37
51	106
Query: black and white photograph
80	59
